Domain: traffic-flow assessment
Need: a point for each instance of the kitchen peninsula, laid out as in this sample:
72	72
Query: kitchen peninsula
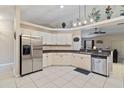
79	59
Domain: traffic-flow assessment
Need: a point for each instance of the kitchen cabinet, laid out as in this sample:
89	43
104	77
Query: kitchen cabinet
53	39
64	39
45	38
87	62
57	39
45	60
50	59
67	58
75	60
78	60
82	61
57	59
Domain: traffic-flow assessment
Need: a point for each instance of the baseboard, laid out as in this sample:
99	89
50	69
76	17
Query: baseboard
6	65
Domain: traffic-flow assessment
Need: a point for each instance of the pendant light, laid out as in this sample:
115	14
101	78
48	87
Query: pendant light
61	6
85	21
91	20
79	20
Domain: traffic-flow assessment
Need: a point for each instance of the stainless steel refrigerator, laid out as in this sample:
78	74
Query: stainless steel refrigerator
31	54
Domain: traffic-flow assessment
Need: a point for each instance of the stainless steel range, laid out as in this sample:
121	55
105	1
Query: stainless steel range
31	54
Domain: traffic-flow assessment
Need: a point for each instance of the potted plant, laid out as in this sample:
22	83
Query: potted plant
122	11
95	14
109	12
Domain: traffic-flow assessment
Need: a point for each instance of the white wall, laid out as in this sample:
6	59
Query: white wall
108	39
6	42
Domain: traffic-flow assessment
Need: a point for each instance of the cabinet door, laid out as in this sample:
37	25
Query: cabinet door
75	60
59	39
57	59
53	39
87	62
80	62
45	38
45	60
68	39
67	59
50	59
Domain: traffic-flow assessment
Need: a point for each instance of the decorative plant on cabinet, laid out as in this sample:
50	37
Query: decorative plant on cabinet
122	11
95	15
108	12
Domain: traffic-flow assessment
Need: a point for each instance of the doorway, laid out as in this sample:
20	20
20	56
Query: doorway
119	45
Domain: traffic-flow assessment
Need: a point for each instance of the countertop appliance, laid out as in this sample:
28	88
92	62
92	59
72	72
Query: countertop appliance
31	54
99	65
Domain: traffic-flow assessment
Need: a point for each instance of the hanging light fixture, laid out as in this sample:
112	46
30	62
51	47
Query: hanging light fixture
74	24
79	20
61	6
91	20
85	21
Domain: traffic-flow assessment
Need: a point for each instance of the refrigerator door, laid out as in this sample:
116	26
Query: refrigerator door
36	53
26	63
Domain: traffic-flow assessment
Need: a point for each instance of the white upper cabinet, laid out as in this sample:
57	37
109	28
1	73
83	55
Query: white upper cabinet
64	39
57	39
52	38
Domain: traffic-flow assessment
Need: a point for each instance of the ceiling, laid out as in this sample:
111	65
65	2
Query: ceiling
53	15
113	29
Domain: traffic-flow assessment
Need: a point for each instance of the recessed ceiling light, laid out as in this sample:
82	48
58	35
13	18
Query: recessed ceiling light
74	24
61	6
79	23
91	20
85	21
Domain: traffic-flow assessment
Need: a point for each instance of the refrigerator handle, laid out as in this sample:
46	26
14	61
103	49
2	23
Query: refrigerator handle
31	51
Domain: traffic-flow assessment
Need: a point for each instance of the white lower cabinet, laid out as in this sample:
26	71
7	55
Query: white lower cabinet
67	59
82	61
57	59
50	59
87	62
78	60
75	60
45	60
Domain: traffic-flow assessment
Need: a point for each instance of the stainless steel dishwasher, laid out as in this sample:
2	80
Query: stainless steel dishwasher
99	65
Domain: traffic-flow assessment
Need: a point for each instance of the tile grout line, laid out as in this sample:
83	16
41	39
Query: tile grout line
105	83
64	79
69	81
33	82
87	81
15	82
14	78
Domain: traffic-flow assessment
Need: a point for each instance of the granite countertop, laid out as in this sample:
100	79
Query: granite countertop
78	52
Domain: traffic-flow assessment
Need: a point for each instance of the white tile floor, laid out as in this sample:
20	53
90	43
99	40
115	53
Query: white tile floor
62	77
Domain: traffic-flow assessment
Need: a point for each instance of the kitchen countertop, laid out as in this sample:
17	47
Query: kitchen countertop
78	52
